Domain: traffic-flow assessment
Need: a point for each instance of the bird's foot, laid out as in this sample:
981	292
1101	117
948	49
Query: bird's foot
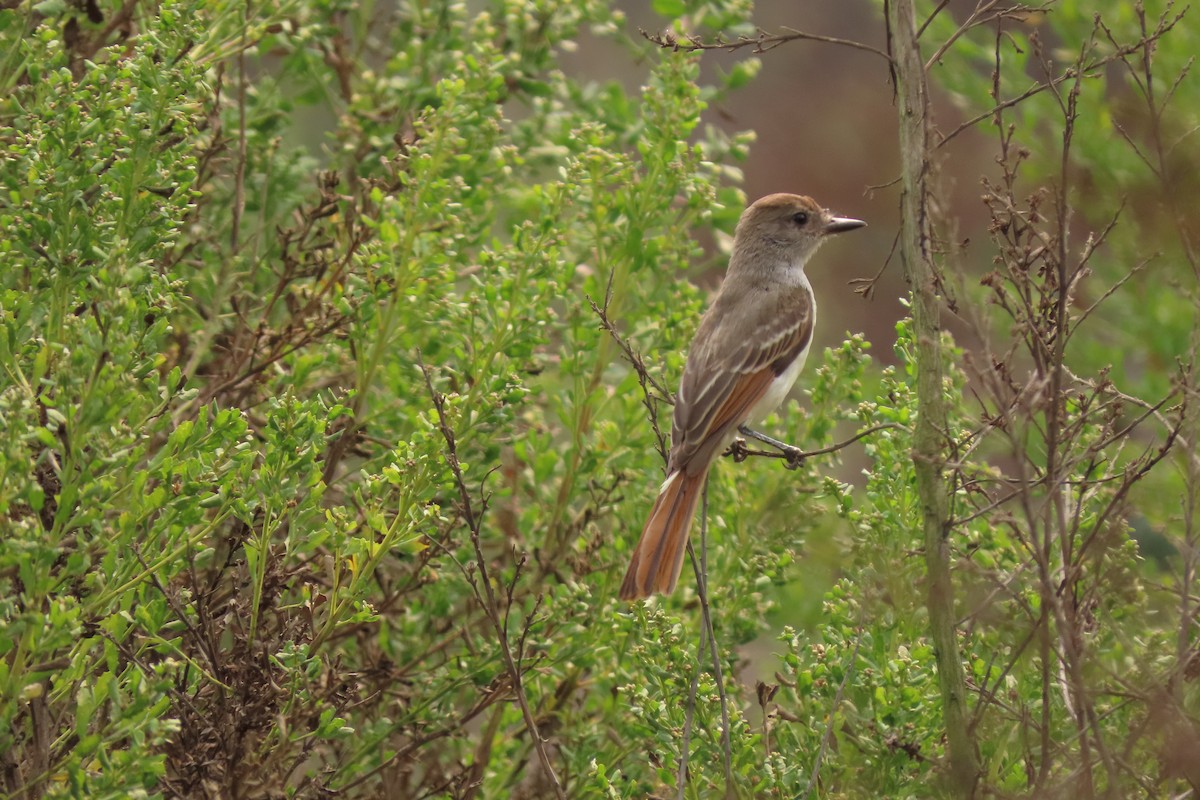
738	450
793	456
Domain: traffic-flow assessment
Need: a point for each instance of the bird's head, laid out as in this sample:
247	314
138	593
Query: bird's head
789	222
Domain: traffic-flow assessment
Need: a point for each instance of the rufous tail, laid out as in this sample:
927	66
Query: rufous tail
658	557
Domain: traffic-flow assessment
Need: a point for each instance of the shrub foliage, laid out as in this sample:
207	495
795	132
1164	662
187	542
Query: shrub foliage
324	453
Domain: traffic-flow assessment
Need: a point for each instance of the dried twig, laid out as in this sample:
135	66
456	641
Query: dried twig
700	567
650	399
487	594
985	12
761	43
833	710
688	719
1071	73
866	286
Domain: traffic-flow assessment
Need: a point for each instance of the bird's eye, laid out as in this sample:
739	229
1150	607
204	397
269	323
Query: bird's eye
800	218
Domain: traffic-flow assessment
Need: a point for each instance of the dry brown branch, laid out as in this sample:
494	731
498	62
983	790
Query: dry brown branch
985	13
1080	69
647	381
761	43
1065	437
866	286
487	594
850	670
709	634
932	16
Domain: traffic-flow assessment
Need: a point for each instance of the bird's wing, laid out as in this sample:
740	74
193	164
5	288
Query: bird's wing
728	372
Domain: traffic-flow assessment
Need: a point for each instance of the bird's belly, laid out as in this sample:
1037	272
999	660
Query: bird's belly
777	392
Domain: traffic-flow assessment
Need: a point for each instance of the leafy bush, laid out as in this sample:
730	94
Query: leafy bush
323	455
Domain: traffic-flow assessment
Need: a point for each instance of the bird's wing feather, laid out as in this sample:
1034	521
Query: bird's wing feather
728	373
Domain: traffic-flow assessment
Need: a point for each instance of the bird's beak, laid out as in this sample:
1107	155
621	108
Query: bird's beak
842	224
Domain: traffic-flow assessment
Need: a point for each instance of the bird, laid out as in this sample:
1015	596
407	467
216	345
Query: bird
747	353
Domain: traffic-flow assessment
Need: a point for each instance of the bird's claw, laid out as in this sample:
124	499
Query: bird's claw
738	450
793	458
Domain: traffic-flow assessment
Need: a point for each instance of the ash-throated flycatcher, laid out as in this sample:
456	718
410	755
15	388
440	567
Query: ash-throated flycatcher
746	355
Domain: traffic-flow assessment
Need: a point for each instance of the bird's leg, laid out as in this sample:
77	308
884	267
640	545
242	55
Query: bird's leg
793	454
762	437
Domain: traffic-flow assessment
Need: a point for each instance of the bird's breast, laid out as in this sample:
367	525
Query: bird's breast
777	392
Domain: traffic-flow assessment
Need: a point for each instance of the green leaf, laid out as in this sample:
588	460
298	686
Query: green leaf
669	8
50	8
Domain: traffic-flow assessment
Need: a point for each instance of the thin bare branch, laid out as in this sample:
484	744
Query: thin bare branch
1090	69
646	380
487	596
932	16
761	43
849	670
700	567
985	12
